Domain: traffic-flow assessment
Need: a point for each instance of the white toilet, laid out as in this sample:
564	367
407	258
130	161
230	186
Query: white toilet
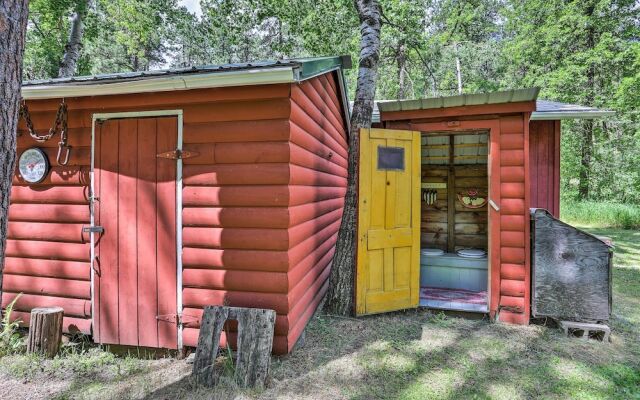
471	253
431	252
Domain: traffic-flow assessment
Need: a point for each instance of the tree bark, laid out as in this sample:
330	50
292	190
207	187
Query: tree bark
587	125
340	296
69	63
13	27
401	60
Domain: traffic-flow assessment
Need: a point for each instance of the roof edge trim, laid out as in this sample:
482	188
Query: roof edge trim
551	115
258	76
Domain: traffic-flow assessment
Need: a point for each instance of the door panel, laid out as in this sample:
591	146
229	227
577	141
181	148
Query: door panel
135	279
388	268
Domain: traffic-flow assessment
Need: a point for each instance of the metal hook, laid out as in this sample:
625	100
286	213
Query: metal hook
61	145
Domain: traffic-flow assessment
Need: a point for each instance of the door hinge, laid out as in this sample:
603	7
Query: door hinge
177	154
177	318
171	318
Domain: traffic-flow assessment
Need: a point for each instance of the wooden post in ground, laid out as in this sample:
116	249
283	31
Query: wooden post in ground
45	331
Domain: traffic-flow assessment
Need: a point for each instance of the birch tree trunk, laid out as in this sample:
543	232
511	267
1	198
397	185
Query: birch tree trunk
69	63
340	297
13	27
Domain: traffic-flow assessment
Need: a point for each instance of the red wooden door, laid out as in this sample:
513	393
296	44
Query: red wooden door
135	269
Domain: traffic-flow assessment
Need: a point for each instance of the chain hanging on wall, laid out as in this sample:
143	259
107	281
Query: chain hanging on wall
60	123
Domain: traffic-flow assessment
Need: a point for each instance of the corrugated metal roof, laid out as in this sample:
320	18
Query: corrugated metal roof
545	109
550	110
506	96
306	68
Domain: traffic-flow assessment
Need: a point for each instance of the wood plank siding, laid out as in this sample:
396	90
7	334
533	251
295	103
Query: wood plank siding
544	153
262	203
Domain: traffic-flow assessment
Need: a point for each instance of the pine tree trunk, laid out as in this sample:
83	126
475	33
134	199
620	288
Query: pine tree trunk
13	27
340	297
587	125
69	63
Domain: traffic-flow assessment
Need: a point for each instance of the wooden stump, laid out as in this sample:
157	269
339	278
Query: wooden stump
45	331
255	341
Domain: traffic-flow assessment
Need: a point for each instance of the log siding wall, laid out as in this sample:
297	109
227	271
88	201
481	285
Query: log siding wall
544	150
514	300
262	203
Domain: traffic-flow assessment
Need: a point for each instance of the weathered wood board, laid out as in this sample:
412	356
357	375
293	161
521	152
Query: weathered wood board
255	340
571	271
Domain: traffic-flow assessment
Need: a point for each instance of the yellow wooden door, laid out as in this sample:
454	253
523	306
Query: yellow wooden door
388	265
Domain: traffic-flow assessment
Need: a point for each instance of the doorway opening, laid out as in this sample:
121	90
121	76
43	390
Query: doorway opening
454	221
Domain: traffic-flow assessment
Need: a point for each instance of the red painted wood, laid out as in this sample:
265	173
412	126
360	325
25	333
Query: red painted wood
107	263
147	228
50	195
46	231
80	308
47	286
47	268
61	176
166	140
527	226
513	271
276	172
128	299
238	217
95	263
237	131
69	324
544	169
138	248
50	250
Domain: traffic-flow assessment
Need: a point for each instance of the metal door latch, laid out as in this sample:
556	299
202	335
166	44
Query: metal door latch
177	154
92	229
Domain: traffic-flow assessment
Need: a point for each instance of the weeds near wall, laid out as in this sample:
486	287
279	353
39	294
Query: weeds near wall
11	340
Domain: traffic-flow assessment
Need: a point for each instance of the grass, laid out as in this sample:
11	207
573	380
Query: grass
414	354
601	215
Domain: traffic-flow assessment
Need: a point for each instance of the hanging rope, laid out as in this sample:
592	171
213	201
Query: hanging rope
60	123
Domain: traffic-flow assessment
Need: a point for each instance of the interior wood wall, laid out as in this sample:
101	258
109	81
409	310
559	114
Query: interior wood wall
262	204
470	225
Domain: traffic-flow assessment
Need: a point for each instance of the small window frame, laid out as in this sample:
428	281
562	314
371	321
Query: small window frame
391	163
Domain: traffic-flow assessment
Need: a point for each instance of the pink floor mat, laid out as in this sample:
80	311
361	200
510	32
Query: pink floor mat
453	295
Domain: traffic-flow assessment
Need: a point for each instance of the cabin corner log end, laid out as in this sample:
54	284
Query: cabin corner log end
255	341
45	331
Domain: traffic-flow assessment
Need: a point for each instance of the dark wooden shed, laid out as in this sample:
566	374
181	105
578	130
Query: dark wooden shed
213	185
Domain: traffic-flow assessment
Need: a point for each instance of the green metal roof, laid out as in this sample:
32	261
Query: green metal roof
506	96
304	68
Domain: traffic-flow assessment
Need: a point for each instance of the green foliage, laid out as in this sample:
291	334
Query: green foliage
601	214
11	340
585	52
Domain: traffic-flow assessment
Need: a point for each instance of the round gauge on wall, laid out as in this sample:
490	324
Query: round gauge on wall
33	165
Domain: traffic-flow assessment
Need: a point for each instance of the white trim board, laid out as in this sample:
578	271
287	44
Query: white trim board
143	114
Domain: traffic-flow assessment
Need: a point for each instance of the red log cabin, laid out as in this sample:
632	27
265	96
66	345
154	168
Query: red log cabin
225	185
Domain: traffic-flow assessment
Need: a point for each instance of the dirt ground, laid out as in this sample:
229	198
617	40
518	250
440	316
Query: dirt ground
415	354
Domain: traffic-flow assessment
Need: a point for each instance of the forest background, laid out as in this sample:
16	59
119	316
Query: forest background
585	52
